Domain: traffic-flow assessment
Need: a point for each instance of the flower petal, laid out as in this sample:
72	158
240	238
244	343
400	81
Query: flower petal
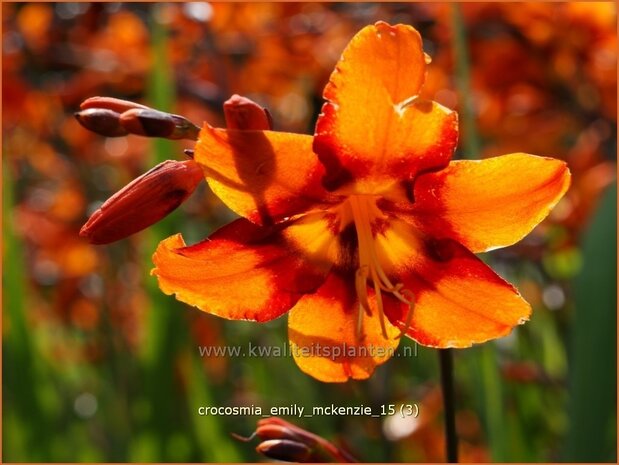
264	176
458	299
373	132
489	203
322	333
243	272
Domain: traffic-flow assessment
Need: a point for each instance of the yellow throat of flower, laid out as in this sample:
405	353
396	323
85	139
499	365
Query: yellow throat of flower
364	211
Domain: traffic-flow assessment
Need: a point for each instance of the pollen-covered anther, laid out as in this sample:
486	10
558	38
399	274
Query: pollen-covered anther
409	298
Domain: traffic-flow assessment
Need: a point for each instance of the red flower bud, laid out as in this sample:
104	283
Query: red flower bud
144	201
154	123
243	113
285	450
276	428
275	432
110	103
284	441
113	117
102	121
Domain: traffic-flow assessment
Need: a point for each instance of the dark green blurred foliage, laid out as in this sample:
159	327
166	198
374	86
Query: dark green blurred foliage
593	348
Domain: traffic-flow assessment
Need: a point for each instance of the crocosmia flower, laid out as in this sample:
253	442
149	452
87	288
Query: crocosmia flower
367	230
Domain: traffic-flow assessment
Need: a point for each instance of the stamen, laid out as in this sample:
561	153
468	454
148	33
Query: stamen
362	294
370	267
379	305
359	329
362	290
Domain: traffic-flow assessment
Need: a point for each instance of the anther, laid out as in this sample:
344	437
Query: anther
410	300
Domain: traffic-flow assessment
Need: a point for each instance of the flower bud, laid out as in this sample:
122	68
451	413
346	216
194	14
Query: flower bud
243	113
285	441
143	202
276	428
276	432
102	121
285	450
110	103
153	123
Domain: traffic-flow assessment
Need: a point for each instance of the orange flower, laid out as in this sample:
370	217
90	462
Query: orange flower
366	230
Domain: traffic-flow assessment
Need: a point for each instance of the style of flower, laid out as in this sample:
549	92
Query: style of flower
365	231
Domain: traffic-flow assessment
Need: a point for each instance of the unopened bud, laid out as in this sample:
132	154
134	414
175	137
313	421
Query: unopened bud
110	103
102	121
276	428
153	123
285	450
285	441
143	202
243	113
276	432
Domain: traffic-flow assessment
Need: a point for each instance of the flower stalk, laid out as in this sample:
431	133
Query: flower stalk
447	385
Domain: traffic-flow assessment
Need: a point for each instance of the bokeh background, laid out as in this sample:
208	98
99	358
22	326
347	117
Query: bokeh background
98	365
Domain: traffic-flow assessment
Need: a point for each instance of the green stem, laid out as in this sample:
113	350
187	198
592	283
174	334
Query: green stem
449	403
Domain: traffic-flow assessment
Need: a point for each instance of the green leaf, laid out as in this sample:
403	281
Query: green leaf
593	374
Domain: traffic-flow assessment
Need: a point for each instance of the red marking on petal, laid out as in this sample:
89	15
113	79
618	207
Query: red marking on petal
242	272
